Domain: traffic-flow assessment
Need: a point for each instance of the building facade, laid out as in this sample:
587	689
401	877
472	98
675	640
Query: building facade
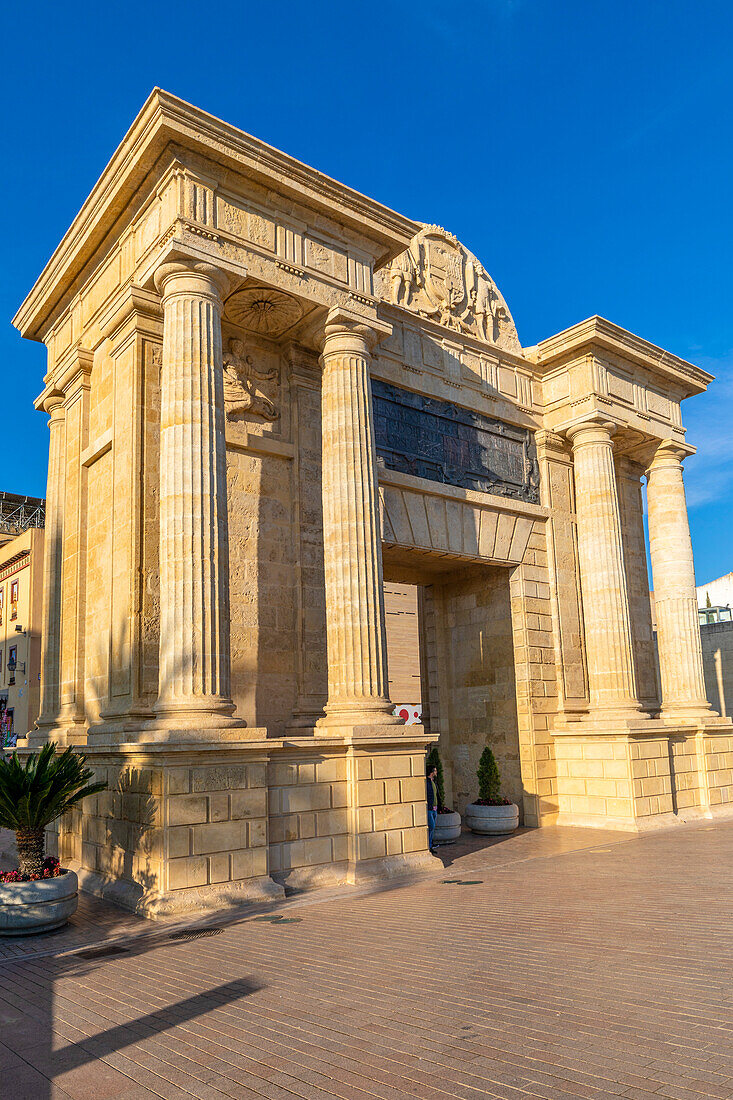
269	394
21	586
717	593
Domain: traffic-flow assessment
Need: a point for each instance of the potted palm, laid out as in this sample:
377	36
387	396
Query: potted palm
491	813
447	822
39	895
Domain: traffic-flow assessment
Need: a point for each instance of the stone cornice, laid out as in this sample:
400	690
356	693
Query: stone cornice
165	120
598	333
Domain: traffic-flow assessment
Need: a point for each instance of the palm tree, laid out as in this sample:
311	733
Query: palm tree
34	795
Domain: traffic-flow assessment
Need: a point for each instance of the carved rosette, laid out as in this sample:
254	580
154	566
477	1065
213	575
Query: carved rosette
264	310
438	278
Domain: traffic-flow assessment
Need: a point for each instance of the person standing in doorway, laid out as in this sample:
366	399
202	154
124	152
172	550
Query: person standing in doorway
431	773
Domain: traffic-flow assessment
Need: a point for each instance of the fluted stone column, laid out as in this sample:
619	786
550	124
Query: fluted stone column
357	650
675	598
194	676
609	650
52	562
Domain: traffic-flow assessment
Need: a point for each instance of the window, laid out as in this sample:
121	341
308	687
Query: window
725	615
13	599
13	655
2	601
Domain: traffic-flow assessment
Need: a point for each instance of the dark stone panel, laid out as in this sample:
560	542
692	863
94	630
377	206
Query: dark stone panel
443	442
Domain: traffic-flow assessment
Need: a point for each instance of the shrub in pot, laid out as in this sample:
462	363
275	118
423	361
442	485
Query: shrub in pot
448	822
491	814
39	895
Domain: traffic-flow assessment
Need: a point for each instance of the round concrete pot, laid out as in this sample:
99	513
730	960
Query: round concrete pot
28	907
492	820
447	827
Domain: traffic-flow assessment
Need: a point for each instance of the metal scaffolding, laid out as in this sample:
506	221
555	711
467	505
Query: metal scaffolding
18	513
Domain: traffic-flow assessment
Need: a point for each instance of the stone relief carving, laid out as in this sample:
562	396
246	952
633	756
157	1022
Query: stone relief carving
447	443
263	309
242	394
437	277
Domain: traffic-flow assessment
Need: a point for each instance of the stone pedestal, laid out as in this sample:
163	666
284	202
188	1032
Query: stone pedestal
178	829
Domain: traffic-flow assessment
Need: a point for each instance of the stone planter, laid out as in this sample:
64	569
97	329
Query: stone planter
492	820
28	907
447	827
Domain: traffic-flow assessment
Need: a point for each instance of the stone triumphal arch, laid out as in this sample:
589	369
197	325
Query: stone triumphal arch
265	393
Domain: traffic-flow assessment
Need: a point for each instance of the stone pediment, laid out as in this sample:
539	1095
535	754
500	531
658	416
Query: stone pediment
437	277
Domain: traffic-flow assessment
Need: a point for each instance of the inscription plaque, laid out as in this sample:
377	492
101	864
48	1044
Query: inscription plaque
444	442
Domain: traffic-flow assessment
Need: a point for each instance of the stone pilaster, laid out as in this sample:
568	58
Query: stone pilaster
52	562
194	675
611	675
357	651
305	389
675	598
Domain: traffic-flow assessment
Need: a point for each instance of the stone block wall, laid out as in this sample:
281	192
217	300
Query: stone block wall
718	751
331	814
651	777
536	679
216	824
308	817
388	804
594	778
687	778
170	829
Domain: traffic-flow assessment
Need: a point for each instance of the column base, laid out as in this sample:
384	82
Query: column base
62	736
351	719
156	734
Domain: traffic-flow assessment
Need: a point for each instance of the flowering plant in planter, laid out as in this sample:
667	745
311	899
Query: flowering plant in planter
51	869
489	781
34	795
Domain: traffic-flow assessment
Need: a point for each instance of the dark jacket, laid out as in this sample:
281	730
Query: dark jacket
430	795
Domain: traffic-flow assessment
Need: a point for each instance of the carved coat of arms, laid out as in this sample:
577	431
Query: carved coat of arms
438	278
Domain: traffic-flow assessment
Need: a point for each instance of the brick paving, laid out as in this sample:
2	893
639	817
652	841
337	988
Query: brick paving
569	967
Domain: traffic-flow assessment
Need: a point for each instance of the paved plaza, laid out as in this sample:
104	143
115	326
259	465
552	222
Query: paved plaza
557	964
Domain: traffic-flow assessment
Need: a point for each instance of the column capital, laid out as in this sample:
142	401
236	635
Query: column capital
670	454
52	402
595	430
189	276
344	323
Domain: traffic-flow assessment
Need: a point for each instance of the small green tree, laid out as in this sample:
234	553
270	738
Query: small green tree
489	780
433	760
33	796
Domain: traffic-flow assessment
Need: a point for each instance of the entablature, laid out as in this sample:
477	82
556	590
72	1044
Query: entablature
599	370
170	166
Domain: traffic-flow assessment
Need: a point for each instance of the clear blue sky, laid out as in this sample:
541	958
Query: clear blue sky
582	150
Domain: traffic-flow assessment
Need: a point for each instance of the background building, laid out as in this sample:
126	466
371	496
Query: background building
21	579
717	593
